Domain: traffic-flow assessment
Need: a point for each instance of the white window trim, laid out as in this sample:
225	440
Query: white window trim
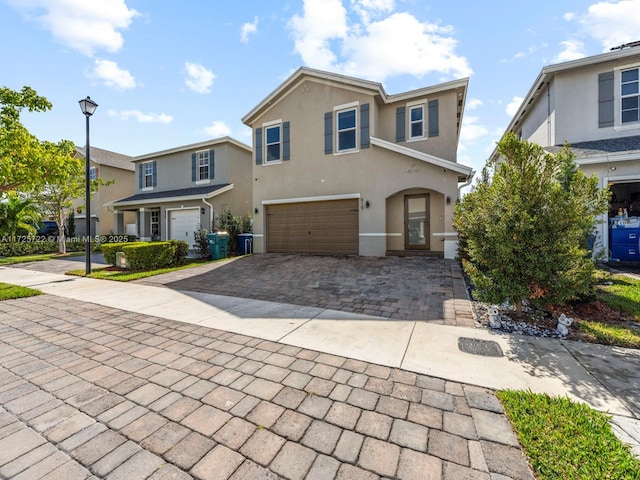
93	175
151	222
200	181
337	112
617	98
424	126
266	126
146	188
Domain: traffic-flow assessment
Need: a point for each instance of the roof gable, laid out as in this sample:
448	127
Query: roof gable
108	158
343	81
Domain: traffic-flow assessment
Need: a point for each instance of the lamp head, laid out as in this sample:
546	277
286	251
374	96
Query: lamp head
88	106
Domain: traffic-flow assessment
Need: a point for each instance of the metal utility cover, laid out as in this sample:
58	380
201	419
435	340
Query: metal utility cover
474	346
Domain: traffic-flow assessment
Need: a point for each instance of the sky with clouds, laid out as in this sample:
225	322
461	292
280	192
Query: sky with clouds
167	74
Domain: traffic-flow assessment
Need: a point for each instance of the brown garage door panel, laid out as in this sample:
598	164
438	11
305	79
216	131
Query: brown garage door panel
314	227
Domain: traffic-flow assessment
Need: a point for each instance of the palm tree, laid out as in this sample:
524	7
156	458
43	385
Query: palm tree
18	215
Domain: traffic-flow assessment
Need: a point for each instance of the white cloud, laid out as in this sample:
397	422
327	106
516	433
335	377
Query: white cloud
471	130
396	44
248	29
473	103
569	16
217	129
372	8
612	23
199	79
514	105
141	117
85	26
113	76
571	50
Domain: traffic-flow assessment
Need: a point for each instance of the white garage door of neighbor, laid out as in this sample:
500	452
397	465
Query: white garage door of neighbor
183	224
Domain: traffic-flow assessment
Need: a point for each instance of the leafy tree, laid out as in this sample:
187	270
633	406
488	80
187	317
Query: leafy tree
64	185
22	163
18	214
524	231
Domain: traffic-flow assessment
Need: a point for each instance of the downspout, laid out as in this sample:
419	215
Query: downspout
466	184
210	214
548	115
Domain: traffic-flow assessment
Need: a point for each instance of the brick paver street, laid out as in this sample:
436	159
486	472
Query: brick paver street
88	391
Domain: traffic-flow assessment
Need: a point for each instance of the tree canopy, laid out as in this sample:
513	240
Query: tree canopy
523	231
23	164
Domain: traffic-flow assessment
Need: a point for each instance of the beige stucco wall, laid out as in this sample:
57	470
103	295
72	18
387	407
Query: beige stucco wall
123	187
373	174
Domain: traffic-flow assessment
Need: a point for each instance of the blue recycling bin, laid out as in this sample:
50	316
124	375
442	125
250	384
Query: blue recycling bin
218	244
245	243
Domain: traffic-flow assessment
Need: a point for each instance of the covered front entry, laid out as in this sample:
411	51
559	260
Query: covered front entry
326	227
183	224
416	222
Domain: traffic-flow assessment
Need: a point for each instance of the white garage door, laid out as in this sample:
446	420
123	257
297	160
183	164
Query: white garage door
183	224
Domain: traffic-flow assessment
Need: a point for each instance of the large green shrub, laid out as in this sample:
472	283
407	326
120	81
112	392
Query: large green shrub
233	225
202	242
523	232
180	251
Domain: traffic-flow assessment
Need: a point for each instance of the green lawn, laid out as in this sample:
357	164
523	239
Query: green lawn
622	294
8	291
128	275
35	258
564	440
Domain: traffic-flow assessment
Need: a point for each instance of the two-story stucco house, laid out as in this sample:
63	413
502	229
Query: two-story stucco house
182	189
342	167
108	166
593	104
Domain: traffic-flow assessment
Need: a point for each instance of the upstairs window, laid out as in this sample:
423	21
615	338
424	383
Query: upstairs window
147	175
416	122
203	165
93	173
273	145
346	125
630	95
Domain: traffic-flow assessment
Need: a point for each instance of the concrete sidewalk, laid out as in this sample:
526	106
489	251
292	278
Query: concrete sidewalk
601	376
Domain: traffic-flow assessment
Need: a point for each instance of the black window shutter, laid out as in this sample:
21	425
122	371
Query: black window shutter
364	126
193	167
434	128
258	146
328	133
605	100
212	164
400	124
155	173
140	167
286	145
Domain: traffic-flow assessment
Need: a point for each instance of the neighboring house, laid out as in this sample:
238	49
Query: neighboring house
108	166
342	167
593	104
180	190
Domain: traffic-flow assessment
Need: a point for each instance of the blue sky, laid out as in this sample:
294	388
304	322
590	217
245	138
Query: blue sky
168	73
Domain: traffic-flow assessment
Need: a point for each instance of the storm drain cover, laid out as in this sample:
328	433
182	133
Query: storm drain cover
474	346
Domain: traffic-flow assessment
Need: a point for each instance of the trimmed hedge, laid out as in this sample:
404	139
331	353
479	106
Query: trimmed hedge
109	251
18	249
148	255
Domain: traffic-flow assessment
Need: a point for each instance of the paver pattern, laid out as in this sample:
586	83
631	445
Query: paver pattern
411	288
88	391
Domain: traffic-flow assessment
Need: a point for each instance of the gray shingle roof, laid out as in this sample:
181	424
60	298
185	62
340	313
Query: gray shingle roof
109	158
601	147
182	192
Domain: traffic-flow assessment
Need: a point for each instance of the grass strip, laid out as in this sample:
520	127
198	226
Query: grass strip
36	258
8	291
606	334
565	440
129	275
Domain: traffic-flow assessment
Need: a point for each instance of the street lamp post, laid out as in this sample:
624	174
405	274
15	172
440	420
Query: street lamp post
88	107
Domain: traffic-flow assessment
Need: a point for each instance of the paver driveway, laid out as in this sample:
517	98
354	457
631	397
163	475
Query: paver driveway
88	391
412	288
